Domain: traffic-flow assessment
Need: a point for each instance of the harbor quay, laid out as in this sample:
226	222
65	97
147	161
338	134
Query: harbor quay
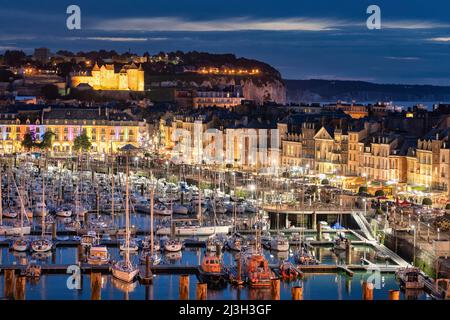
195	232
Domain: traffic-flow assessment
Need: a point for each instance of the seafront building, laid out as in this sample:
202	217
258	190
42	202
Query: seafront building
108	130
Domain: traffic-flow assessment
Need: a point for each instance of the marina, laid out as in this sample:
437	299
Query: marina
137	230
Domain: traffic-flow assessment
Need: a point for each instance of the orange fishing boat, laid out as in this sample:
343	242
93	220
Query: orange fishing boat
211	271
258	271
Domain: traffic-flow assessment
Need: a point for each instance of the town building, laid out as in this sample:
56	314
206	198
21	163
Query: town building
108	130
130	77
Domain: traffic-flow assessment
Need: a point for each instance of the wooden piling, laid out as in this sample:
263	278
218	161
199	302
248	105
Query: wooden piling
367	290
275	285
202	291
394	295
19	292
218	250
319	231
314	219
80	253
184	287
348	255
9	284
96	286
297	293
54	231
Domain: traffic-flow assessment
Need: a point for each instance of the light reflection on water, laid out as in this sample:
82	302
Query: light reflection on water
316	286
165	287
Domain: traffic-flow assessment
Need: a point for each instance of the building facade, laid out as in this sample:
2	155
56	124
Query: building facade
130	77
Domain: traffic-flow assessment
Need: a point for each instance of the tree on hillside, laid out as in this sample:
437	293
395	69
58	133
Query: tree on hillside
14	58
82	143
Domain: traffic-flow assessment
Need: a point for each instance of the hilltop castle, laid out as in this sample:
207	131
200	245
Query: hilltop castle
130	77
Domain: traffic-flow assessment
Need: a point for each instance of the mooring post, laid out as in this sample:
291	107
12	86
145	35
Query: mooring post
394	295
297	293
218	250
54	231
348	250
80	252
184	287
9	283
19	292
319	231
96	286
202	291
147	266
367	290
314	219
275	284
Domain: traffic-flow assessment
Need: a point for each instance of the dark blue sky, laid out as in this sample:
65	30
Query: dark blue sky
301	38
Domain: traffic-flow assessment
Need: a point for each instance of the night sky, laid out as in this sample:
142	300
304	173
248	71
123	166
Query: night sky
325	39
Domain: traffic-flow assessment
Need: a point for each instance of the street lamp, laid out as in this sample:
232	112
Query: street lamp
365	206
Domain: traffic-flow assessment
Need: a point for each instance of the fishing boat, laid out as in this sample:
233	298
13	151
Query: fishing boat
98	255
279	243
125	270
257	271
212	272
410	278
173	245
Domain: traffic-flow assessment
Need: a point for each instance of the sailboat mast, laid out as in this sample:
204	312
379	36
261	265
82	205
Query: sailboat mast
199	198
1	198
152	197
43	205
112	188
127	223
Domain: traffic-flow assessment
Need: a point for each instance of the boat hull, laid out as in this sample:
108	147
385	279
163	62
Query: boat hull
125	276
14	231
198	231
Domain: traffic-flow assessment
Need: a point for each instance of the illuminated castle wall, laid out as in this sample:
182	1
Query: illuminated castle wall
130	77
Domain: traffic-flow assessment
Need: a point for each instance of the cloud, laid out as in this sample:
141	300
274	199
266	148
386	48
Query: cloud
403	58
413	24
118	39
440	39
227	24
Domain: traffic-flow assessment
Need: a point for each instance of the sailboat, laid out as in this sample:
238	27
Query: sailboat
42	244
257	270
21	244
12	230
155	258
124	270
